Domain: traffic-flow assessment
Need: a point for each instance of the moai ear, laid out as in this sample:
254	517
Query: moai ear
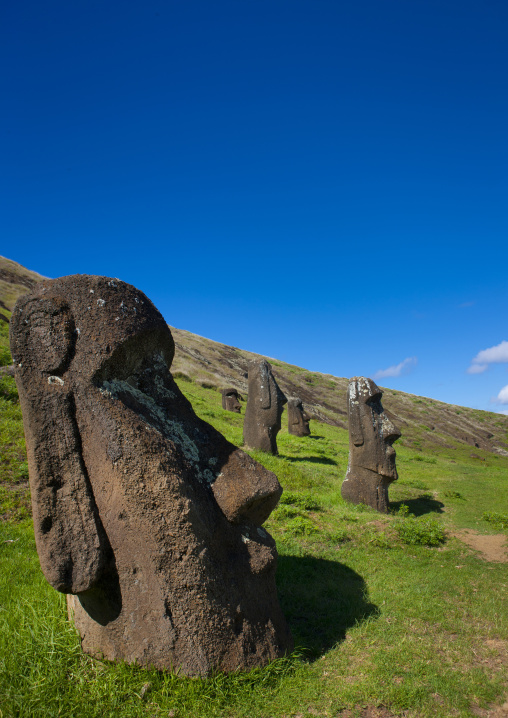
69	536
353	410
265	393
42	334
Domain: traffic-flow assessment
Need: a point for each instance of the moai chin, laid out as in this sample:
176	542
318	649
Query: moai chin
371	466
231	400
143	513
264	408
298	419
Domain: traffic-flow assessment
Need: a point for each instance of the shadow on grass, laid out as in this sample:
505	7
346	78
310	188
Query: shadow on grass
419	506
310	459
314	436
321	599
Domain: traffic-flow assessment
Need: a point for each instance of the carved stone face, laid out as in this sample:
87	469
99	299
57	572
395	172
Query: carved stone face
371	455
141	509
298	419
372	431
264	408
231	400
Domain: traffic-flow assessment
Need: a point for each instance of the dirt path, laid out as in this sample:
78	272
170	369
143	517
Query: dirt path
492	547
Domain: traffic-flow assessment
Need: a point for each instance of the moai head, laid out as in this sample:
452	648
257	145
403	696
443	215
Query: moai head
231	400
371	466
264	408
298	419
144	514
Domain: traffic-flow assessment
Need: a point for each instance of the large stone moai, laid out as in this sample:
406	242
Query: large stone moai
298	419
264	409
143	513
371	467
231	400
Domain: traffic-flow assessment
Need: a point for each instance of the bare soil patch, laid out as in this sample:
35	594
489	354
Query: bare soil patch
494	712
492	547
379	712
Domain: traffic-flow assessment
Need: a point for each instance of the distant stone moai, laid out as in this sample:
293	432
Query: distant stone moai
143	513
371	466
264	408
298	419
231	400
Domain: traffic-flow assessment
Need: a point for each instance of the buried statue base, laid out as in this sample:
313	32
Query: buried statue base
371	466
298	419
231	400
144	514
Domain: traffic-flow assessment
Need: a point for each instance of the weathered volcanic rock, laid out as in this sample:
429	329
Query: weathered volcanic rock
231	400
298	419
371	466
264	409
143	513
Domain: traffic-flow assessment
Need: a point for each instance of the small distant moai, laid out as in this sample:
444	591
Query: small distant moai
298	419
265	403
371	467
145	515
231	400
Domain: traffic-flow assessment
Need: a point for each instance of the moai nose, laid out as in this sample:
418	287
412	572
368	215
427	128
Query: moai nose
245	490
390	432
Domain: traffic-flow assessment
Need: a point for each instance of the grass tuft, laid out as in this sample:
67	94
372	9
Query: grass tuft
498	521
418	531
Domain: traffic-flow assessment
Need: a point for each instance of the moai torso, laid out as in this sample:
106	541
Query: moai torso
371	466
264	408
143	513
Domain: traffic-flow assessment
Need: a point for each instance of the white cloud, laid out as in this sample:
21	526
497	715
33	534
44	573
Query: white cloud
503	411
477	368
493	355
397	369
502	397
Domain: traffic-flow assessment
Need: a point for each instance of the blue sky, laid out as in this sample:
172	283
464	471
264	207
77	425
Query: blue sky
322	182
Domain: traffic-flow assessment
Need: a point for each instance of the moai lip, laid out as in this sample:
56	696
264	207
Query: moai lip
143	513
264	409
371	466
298	419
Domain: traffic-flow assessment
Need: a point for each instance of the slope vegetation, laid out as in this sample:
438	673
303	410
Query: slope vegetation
425	423
398	615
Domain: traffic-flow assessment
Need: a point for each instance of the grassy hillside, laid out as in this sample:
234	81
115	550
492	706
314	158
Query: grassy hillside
425	423
398	615
392	615
15	280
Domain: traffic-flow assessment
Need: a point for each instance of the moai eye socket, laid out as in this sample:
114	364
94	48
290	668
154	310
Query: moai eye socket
50	333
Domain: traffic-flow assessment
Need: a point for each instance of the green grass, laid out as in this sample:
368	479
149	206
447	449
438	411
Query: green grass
497	520
14	498
377	621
